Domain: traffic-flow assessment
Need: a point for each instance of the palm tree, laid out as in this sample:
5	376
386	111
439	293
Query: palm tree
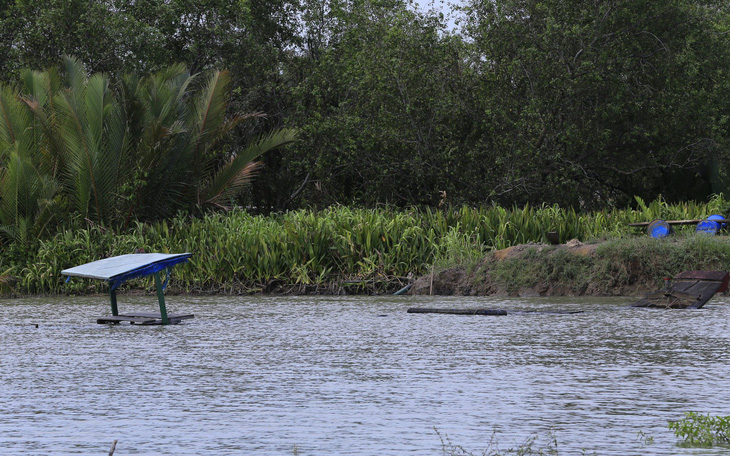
143	149
179	159
26	191
92	130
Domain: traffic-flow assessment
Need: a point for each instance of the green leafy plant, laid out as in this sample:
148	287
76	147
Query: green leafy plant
702	430
74	145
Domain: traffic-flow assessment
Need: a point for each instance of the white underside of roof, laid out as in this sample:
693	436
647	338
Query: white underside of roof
111	267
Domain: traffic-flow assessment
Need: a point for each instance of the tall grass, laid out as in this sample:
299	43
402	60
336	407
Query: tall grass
237	252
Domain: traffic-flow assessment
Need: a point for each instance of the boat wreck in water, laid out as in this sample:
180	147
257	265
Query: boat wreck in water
687	290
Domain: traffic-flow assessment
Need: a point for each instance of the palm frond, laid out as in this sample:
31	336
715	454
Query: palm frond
23	189
97	106
210	112
6	280
76	77
92	128
38	93
232	177
7	118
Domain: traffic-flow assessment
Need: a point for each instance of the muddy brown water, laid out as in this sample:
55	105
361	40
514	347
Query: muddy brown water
356	376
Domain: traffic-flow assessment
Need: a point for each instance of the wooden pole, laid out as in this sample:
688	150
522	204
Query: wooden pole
161	298
113	448
679	222
430	290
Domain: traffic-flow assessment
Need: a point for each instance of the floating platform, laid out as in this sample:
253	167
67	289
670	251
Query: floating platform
143	318
687	290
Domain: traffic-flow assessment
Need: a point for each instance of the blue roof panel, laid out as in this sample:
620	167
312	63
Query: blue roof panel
119	269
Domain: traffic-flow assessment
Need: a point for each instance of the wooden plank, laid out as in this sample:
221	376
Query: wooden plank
458	311
490	312
704	290
157	315
546	312
683	296
717	276
671	222
121	318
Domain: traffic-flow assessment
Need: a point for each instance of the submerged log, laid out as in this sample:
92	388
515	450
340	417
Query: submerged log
458	311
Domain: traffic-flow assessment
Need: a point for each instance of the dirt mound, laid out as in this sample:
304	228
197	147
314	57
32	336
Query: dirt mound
481	280
518	251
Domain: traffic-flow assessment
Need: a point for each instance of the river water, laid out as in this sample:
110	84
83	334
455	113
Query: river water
357	376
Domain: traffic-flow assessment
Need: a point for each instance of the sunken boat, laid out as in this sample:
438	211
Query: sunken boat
687	290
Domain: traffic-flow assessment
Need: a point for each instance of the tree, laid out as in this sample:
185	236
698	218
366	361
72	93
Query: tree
144	149
180	161
26	189
589	103
382	105
140	36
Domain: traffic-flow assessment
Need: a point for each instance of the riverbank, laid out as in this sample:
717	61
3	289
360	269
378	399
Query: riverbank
629	266
379	251
617	267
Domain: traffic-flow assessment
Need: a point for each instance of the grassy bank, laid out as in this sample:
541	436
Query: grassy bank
628	266
344	249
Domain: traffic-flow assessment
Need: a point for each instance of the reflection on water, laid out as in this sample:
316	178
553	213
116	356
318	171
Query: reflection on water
355	375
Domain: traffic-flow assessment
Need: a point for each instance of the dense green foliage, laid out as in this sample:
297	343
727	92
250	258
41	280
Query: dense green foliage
702	430
585	104
306	250
598	101
74	146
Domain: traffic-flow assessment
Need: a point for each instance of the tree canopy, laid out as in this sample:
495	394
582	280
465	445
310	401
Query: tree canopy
581	103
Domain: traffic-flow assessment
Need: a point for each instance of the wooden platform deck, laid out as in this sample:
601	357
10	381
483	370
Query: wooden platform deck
144	318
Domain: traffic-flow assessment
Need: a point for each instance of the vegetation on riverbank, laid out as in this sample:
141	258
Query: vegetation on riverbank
79	146
627	266
341	249
701	430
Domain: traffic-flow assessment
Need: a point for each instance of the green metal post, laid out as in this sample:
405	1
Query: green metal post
113	296
161	298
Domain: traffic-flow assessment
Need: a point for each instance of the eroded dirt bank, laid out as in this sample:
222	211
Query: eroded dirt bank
614	268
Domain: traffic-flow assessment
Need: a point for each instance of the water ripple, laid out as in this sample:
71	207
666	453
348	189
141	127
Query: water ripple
355	376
